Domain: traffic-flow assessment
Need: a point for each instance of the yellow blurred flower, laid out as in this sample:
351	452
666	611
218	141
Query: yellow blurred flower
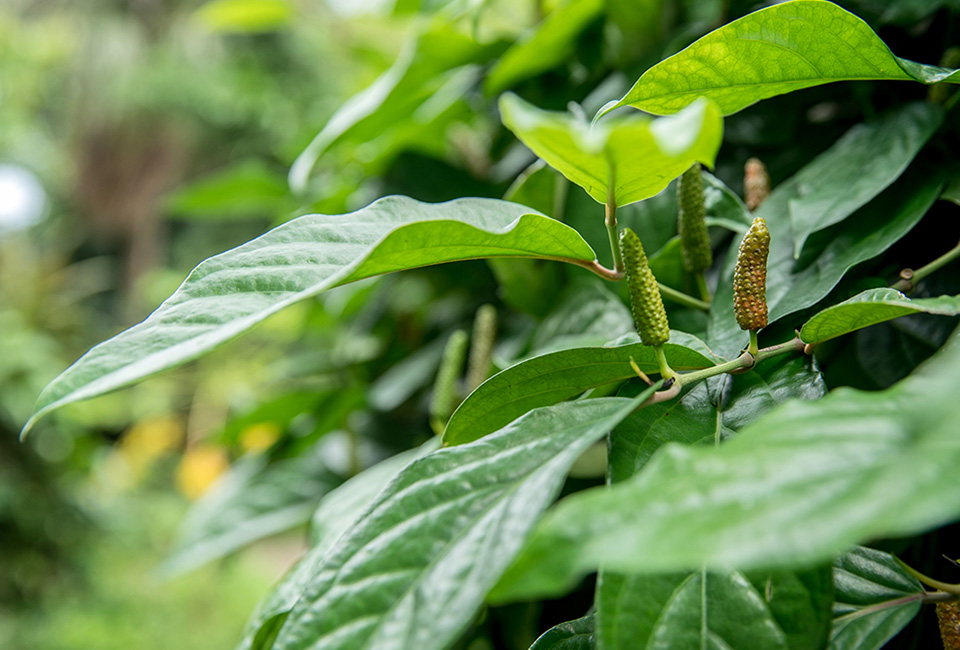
260	436
200	466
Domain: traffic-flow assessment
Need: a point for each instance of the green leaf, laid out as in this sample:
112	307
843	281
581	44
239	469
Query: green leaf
244	15
586	315
776	50
254	500
867	159
863	577
338	511
714	610
572	635
432	71
624	159
952	192
228	294
555	377
869	308
543	47
793	285
797	486
247	189
779	610
414	570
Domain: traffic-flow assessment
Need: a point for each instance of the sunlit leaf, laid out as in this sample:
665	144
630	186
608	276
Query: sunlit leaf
622	159
776	50
869	308
228	294
572	635
245	15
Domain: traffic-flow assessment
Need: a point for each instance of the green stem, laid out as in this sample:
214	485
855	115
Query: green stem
665	370
909	280
754	347
923	597
610	220
682	298
744	362
702	286
930	582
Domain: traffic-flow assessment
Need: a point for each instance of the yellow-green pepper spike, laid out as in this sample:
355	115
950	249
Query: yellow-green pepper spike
750	277
645	302
692	221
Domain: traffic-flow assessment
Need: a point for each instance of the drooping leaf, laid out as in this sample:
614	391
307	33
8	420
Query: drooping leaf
544	46
554	377
858	167
414	570
863	577
254	500
572	635
228	294
869	308
623	159
797	486
338	511
784	609
792	284
775	50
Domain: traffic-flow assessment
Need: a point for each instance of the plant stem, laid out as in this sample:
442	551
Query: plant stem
744	362
754	347
930	582
702	286
906	284
682	298
665	370
610	221
924	597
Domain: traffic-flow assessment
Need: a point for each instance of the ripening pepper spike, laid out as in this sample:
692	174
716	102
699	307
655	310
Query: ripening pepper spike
446	389
756	183
692	221
750	277
645	302
948	616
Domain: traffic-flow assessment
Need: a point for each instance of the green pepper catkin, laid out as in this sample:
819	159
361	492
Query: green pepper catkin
948	615
481	346
645	301
692	221
446	390
750	277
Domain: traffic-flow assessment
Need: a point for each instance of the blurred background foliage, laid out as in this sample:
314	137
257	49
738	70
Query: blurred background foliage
138	137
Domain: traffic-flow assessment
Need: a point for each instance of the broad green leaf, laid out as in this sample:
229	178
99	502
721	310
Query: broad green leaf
338	511
797	486
621	159
228	294
858	167
417	566
863	577
779	610
544	46
244	15
869	308
586	315
254	500
554	377
792	284
776	50
713	610
572	635
432	71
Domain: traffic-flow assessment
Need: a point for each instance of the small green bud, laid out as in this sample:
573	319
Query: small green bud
756	183
645	302
446	390
750	277
692	222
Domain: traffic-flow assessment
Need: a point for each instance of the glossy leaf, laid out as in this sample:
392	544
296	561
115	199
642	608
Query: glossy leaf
414	570
624	159
544	46
775	50
572	635
797	486
863	577
784	609
586	315
555	377
869	308
867	159
228	294
254	500
341	508
793	285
